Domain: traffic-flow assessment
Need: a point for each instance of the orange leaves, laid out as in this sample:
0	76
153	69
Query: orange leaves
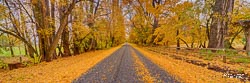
62	70
2	9
181	17
80	29
171	16
185	72
182	7
141	70
167	33
34	1
45	32
241	12
126	2
63	3
153	10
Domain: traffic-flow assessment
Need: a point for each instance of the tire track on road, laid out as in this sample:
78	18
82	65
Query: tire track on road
141	70
159	74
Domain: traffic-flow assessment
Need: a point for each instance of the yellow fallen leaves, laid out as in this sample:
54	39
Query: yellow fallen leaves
186	72
141	70
58	71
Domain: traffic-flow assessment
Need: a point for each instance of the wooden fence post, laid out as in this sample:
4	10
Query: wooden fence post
20	59
176	50
224	56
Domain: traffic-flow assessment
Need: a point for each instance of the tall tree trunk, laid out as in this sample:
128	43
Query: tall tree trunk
53	25
35	39
10	41
76	48
220	21
11	46
247	32
17	28
246	26
155	3
63	24
76	41
65	40
47	28
41	12
25	34
65	34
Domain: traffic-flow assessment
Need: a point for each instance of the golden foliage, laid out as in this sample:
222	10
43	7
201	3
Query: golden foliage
2	9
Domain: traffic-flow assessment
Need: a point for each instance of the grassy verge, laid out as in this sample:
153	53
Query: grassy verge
16	50
186	72
58	71
245	60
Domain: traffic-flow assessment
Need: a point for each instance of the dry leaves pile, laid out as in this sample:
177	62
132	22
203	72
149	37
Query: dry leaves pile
58	71
186	72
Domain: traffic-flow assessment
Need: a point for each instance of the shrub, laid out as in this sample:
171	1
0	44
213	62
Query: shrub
3	65
36	59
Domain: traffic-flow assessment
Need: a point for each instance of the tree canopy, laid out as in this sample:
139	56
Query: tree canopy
48	29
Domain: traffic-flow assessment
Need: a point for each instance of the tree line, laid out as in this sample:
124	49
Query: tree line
195	23
52	28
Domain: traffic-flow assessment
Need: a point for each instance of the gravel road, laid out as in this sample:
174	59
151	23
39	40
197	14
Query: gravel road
119	68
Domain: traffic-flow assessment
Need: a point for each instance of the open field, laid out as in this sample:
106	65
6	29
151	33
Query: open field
16	50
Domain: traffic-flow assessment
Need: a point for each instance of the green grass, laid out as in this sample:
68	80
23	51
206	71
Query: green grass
230	54
240	70
207	54
209	57
241	60
16	51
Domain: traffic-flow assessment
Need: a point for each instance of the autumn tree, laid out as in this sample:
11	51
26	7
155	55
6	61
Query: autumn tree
222	11
16	30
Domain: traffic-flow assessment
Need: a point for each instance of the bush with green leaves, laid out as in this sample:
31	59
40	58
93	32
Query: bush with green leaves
36	59
3	65
26	64
1	51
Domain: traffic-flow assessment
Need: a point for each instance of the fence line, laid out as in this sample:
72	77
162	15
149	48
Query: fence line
209	52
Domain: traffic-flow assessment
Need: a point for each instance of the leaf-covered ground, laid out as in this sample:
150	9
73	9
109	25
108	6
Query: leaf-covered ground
58	71
126	65
141	70
67	69
186	72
